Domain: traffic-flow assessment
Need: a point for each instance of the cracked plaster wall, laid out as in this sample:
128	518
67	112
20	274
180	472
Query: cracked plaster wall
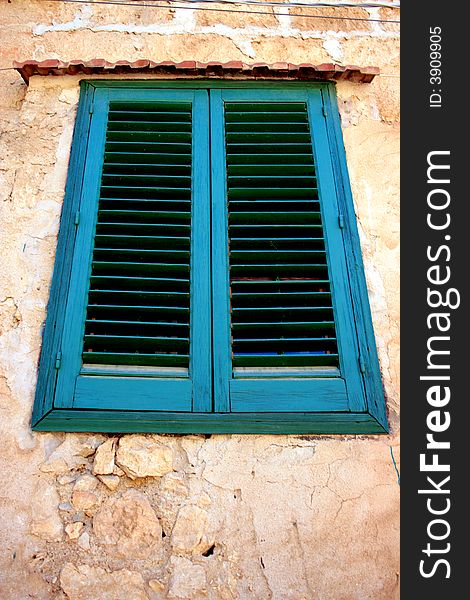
151	517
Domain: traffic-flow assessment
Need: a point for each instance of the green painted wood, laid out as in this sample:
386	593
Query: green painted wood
109	339
284	170
114	257
336	256
146	229
138	136
276	216
141	215
258	423
128	179
135	371
314	395
145	168
167	310
175	161
295	359
247	285
51	344
301	107
201	321
276	256
142	268
221	350
81	265
264	343
286	327
210	84
131	359
143	241
360	302
145	254
134	343
129	282
104	297
247	158
280	373
167	114
130	393
137	184
116	125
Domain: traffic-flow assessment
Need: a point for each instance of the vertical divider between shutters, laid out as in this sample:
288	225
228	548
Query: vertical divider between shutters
220	271
200	364
76	304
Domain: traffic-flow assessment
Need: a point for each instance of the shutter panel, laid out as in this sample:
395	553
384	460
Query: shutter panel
138	304
282	327
282	313
140	342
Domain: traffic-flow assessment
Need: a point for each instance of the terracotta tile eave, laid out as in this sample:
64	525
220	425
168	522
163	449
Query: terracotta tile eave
189	68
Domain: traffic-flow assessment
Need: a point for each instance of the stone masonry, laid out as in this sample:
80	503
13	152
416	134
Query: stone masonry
221	517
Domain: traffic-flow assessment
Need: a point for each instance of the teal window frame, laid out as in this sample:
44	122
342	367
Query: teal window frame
210	400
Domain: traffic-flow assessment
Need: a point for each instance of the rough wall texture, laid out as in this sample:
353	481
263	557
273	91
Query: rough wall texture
150	517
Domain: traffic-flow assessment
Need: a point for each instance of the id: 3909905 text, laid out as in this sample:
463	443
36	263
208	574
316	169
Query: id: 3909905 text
435	67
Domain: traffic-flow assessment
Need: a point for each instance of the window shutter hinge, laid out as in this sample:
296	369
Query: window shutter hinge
325	112
58	360
92	106
77	218
341	220
362	365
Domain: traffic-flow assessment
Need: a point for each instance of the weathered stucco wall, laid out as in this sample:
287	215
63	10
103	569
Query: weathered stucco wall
218	517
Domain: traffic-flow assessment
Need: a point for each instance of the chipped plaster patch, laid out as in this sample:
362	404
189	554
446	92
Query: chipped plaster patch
374	13
80	21
334	49
283	16
54	181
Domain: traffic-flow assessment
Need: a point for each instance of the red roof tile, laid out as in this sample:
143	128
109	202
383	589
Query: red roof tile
191	68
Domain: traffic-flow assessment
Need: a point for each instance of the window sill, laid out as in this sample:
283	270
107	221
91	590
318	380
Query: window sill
208	423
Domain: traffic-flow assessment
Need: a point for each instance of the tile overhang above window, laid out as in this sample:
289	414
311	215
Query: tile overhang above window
234	69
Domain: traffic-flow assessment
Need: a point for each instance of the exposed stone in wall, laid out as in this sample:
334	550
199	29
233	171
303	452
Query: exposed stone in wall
187	579
208	530
104	458
129	525
45	521
192	531
316	19
142	456
83	582
151	517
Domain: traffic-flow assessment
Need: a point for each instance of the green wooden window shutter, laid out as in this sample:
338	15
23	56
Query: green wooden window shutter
203	278
292	341
143	218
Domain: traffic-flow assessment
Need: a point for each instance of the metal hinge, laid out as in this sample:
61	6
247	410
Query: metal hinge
325	112
362	365
77	218
92	106
341	220
58	360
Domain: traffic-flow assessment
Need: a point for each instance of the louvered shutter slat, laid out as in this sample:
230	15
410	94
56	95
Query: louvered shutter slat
135	359
138	309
